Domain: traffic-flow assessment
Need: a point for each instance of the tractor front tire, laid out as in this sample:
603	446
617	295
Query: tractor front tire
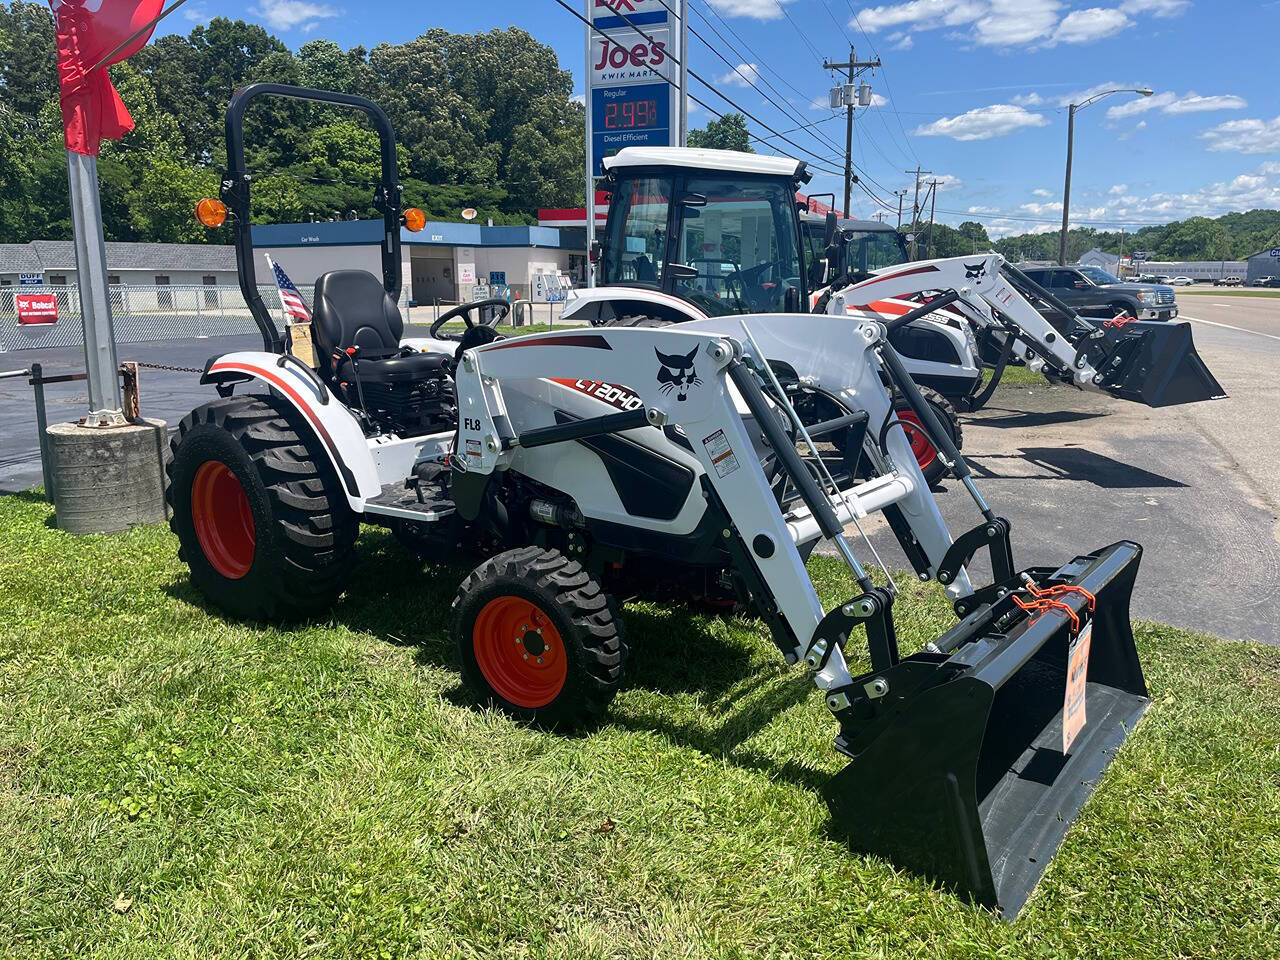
538	637
260	518
930	463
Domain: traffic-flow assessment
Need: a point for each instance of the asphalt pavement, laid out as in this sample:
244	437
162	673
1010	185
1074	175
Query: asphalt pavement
1197	485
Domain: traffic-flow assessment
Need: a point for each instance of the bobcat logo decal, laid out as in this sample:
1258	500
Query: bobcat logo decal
975	271
677	373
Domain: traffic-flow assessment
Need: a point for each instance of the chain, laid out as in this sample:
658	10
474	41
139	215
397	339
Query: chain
165	366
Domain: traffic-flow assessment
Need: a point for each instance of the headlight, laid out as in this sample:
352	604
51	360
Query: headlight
1147	296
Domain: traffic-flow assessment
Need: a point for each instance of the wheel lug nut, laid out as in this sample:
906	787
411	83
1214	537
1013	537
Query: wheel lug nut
539	659
526	656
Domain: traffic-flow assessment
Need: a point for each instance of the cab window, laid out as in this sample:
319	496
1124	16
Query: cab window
635	249
739	247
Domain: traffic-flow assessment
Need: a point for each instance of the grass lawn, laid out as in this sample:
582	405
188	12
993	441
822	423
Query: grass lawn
176	785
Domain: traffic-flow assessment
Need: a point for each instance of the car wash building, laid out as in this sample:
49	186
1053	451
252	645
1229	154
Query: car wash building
445	262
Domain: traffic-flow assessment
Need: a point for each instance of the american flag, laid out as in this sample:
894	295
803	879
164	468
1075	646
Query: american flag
294	305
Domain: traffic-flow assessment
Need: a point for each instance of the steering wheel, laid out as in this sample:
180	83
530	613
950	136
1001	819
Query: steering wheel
463	310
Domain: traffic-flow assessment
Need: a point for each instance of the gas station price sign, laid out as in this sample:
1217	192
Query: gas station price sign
635	115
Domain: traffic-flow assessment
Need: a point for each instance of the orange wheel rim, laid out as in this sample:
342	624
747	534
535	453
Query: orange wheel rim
519	651
223	520
923	450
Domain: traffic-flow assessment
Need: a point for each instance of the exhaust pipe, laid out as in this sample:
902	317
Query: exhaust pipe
960	767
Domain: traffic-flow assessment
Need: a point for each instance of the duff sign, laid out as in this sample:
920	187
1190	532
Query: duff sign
36	308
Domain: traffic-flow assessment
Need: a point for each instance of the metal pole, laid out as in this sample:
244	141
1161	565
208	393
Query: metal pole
899	194
1066	190
848	137
933	203
101	363
42	427
589	8
915	214
684	73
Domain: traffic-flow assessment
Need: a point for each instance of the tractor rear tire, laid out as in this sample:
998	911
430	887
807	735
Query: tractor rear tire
261	520
538	637
931	464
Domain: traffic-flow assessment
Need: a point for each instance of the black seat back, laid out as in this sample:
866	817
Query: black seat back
352	309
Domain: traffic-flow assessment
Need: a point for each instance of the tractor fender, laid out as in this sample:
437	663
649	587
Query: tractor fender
336	431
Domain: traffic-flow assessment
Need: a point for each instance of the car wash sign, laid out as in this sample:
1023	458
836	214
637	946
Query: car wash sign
631	76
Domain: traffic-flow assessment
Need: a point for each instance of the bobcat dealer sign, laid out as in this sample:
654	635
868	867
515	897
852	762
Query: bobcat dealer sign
36	308
630	76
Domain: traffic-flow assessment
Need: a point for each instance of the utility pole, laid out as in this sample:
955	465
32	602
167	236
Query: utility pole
854	66
900	194
915	208
933	203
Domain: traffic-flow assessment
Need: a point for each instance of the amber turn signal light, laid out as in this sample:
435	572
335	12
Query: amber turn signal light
211	212
414	219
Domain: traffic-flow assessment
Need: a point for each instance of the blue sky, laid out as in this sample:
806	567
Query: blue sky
973	90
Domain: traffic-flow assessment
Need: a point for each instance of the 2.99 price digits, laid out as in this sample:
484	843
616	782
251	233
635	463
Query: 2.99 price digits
630	114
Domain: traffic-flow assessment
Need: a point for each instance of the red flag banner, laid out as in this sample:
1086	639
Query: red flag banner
87	31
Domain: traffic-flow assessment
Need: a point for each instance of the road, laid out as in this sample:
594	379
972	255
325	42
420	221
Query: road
1198	485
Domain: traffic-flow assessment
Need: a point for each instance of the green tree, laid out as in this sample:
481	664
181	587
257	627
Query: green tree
726	133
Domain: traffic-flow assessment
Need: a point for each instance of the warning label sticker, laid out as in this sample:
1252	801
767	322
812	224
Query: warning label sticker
721	454
1073	718
473	448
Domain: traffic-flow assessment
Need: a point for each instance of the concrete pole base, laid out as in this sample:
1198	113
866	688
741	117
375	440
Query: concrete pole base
107	479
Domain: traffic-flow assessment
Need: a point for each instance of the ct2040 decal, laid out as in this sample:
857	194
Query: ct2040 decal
623	398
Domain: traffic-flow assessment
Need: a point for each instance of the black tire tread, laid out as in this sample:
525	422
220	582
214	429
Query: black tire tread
575	594
314	528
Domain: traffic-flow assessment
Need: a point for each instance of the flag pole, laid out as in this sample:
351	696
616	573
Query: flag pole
136	34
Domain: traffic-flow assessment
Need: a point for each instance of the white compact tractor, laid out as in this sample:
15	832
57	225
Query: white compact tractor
705	233
705	460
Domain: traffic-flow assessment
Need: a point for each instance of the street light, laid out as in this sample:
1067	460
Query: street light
1071	130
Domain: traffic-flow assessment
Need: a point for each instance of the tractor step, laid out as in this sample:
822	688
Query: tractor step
397	500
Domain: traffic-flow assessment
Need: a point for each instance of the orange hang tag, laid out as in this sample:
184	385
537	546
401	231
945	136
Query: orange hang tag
1073	718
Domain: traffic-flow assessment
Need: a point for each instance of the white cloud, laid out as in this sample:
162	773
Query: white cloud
293	14
947	181
1041	192
1244	136
1086	26
743	75
901	40
753	9
927	13
1194	104
983	123
196	15
1169	102
980	209
1012	23
1041	209
1032	99
581	98
1157	8
1118	189
822	102
1131	108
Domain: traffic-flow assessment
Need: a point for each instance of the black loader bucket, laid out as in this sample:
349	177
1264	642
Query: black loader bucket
1155	363
958	768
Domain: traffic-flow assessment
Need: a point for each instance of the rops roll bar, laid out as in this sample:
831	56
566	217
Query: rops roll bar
236	182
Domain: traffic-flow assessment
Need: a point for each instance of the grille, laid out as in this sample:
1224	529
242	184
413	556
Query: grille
1164	298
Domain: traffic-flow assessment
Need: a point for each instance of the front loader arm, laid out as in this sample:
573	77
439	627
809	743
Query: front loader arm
982	291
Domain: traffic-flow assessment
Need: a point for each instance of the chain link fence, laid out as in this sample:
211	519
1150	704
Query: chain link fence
142	313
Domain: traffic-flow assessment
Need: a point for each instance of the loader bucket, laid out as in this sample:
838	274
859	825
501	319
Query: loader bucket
1155	363
958	771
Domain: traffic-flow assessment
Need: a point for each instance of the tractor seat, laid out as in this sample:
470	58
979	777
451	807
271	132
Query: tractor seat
352	309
